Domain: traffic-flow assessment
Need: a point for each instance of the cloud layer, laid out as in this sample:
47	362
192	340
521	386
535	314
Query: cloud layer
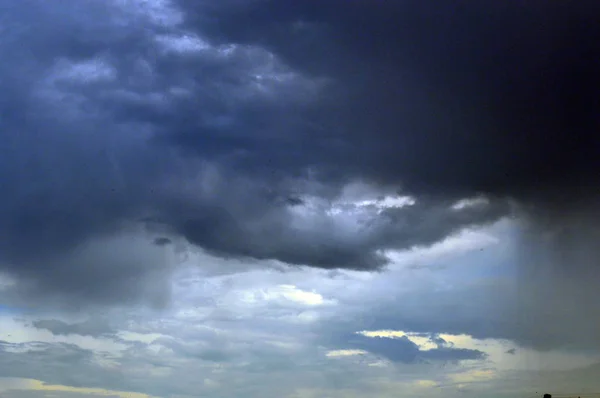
208	183
254	333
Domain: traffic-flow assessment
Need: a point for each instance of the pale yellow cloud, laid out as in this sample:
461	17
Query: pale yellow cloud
425	384
471	376
12	383
295	294
147	338
37	385
386	387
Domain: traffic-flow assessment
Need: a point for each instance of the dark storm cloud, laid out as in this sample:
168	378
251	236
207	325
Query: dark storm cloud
112	113
83	99
220	129
457	98
67	169
420	224
453	97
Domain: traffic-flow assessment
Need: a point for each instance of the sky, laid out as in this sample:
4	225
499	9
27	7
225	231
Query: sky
277	198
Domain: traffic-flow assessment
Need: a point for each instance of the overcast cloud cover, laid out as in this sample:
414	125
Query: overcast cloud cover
299	198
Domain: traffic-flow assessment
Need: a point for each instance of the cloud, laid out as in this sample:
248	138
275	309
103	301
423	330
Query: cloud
145	126
410	104
35	388
65	364
105	271
441	116
250	332
344	353
340	240
400	347
91	327
498	308
174	166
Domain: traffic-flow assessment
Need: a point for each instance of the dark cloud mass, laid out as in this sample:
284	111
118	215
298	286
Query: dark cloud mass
456	97
237	124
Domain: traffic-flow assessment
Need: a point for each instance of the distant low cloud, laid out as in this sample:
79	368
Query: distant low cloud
91	327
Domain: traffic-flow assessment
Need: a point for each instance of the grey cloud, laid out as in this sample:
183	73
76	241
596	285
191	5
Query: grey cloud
202	346
326	244
403	350
114	270
91	327
72	366
452	354
62	364
162	241
500	309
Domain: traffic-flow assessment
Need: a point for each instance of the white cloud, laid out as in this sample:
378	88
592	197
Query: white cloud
289	293
345	353
182	44
470	202
388	202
